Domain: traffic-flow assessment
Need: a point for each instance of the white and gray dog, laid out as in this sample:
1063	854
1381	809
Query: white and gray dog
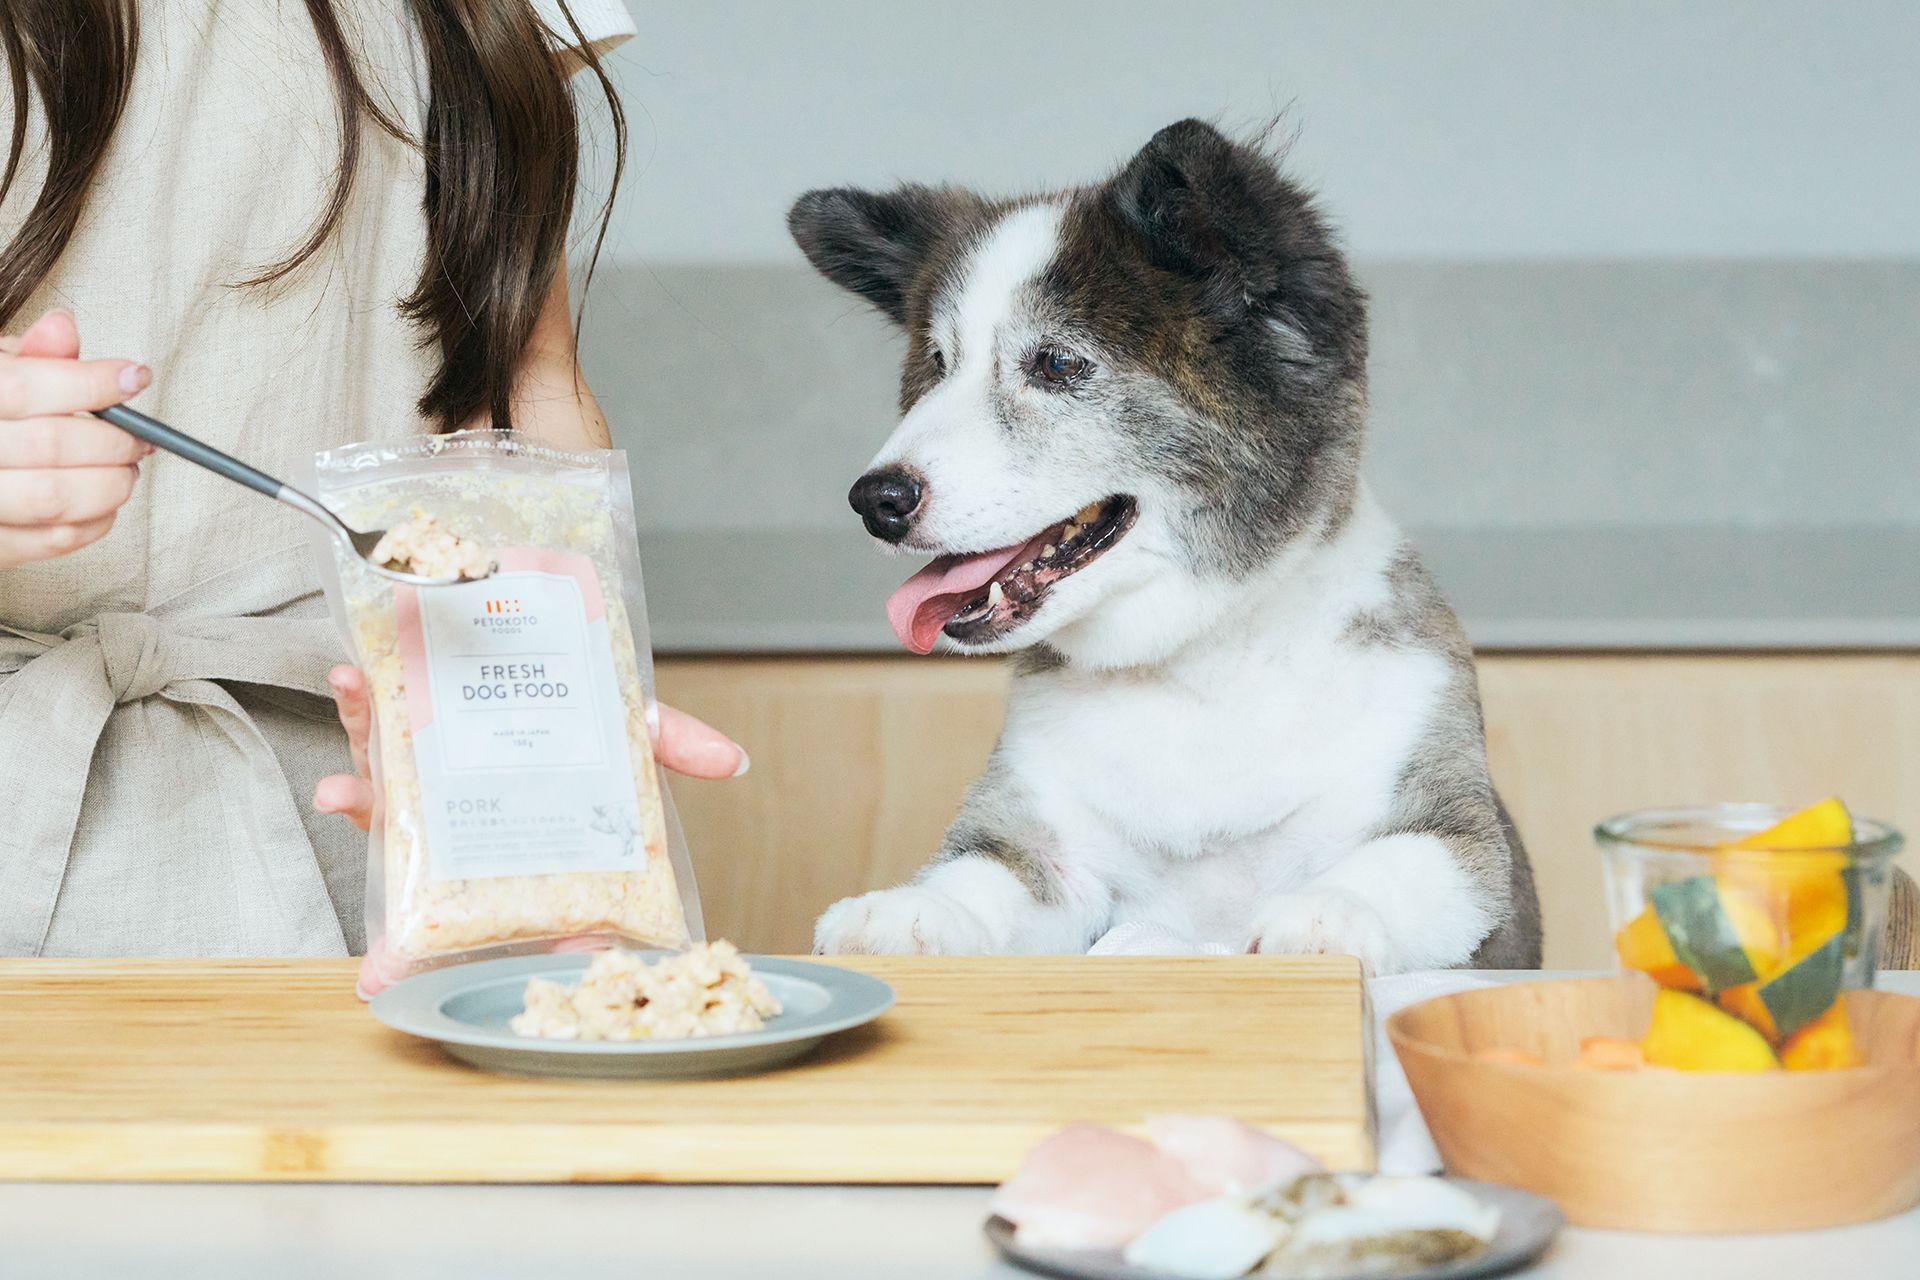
1243	716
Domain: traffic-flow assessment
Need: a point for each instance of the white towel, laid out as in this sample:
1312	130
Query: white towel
1142	938
1405	1145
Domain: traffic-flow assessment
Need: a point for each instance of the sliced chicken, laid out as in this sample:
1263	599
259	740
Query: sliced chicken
1212	1240
1227	1157
1090	1187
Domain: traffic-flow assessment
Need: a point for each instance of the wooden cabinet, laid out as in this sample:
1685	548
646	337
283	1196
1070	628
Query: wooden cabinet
859	763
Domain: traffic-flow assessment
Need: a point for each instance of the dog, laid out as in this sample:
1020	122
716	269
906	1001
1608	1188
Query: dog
1242	717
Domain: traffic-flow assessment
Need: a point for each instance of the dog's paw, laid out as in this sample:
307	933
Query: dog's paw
910	920
1327	922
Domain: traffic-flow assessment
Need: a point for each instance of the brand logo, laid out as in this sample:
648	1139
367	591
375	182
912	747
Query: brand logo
503	606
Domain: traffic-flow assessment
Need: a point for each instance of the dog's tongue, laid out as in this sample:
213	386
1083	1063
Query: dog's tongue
928	600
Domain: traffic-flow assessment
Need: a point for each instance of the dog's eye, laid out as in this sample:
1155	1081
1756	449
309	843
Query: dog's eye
1056	367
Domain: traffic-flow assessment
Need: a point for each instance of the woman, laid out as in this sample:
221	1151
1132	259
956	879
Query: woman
287	227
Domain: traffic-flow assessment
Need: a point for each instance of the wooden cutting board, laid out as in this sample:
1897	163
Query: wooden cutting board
273	1070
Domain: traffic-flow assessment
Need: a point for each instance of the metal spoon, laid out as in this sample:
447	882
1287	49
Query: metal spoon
158	433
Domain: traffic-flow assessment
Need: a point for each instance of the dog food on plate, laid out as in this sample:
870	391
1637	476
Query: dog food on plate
708	990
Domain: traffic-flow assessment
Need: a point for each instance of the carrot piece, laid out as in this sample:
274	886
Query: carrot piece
1610	1053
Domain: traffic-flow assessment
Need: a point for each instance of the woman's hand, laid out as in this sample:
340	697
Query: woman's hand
681	743
63	475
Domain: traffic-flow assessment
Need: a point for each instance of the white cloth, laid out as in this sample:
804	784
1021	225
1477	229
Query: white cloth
1405	1146
1140	938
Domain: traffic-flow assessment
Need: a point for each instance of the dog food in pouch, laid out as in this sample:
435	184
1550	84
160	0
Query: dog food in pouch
518	806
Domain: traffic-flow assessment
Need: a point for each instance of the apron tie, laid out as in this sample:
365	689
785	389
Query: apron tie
130	654
57	693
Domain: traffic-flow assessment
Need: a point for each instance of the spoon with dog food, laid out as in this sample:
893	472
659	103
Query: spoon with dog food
419	552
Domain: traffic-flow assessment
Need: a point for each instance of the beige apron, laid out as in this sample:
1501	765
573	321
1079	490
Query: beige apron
163	715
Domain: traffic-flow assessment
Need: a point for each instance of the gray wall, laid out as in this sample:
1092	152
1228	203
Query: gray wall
1631	262
1467	128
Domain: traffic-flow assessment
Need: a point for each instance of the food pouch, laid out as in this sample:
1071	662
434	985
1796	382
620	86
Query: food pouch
518	806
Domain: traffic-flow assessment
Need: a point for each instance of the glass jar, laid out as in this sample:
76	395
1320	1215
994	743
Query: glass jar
1741	914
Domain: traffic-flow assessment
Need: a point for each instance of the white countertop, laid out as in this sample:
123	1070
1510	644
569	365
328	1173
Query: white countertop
700	1233
297	1232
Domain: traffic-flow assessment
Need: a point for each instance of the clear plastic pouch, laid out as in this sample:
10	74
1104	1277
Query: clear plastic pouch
518	805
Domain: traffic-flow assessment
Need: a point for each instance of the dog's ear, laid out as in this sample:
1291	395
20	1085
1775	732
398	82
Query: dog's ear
871	243
1211	209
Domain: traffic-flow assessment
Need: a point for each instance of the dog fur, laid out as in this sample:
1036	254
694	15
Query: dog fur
1252	721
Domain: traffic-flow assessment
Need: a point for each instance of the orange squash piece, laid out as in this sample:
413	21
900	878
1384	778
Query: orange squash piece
1755	925
1804	880
1744	1003
1692	1034
1643	944
1825	1044
1610	1053
1826	825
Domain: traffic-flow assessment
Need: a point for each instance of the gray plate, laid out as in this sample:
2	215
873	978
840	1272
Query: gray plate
465	1009
1528	1224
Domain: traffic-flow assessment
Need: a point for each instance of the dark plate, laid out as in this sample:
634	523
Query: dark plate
1528	1224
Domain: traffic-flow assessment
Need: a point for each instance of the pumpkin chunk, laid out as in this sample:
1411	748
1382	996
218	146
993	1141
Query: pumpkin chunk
1643	944
1722	932
1744	1003
1689	1033
1826	825
1824	1044
1801	994
1806	879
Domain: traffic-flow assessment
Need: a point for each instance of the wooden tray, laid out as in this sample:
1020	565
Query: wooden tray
130	1070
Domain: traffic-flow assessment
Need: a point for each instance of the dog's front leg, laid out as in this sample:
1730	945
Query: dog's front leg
995	887
1399	903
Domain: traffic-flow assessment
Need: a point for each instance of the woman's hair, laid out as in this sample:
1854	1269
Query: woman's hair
502	158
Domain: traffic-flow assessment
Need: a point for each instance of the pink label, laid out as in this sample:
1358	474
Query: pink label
413	656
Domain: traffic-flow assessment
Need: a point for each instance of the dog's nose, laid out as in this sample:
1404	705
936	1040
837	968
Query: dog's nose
886	500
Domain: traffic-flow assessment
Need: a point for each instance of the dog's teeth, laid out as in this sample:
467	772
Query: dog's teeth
994	594
1088	513
1069	533
1047	550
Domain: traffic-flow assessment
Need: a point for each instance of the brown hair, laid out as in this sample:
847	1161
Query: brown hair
502	159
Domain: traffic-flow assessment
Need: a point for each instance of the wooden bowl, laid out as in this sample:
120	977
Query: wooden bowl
1665	1150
